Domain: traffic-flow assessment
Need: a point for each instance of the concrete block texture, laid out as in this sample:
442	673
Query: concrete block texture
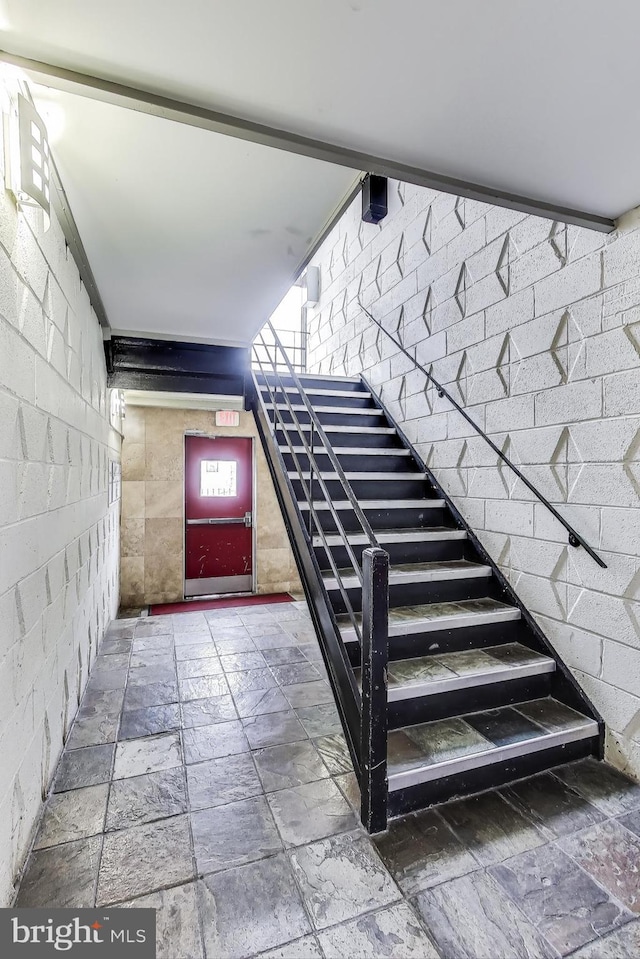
59	536
534	327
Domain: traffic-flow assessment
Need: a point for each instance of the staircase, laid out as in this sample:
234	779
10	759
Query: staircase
472	694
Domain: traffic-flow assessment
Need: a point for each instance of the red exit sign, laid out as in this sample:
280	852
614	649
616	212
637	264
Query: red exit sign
227	418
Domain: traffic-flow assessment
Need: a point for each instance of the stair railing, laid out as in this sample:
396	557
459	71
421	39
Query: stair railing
314	471
372	573
575	539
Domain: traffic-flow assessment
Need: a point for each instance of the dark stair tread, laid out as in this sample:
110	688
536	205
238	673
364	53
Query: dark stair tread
400	573
401	535
316	377
336	428
378	504
349	450
350	410
391	474
330	428
431	751
432	675
320	391
428	617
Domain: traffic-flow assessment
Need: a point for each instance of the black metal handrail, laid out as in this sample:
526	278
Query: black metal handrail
372	633
345	664
575	539
308	494
313	467
362	519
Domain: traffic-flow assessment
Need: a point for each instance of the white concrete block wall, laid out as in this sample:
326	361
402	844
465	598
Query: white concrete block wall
59	538
535	327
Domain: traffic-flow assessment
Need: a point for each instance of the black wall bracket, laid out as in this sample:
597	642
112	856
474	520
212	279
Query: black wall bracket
374	198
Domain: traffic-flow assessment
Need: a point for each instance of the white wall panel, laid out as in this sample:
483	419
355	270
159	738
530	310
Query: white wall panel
535	328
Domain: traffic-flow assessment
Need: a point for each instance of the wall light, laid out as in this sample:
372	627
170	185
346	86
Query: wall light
27	155
312	285
116	409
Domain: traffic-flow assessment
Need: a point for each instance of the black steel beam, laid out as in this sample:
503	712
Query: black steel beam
171	108
146	364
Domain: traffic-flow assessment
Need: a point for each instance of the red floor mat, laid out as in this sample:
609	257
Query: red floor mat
194	605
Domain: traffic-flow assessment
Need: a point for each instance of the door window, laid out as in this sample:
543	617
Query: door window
218	478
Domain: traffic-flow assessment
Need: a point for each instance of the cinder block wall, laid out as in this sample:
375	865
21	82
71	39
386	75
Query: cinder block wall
58	535
153	507
535	328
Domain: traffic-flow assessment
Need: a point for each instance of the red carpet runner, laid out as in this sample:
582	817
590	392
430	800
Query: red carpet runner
195	605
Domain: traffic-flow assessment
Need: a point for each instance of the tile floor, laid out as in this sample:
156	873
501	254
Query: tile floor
206	776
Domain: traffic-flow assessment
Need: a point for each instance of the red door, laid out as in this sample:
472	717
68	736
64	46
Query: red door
218	513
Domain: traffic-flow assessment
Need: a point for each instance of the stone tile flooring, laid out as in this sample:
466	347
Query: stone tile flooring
206	776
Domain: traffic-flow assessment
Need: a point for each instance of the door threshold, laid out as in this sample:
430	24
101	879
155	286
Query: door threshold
240	595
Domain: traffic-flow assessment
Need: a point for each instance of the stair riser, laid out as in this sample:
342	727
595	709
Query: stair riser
355	400
430	552
368	488
419	518
410	594
443	641
339	418
408	712
317	383
368	440
358	462
406	800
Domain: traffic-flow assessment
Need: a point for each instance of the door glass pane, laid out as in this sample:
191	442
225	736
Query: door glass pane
218	478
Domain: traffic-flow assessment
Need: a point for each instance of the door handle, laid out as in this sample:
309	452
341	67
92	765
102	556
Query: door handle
248	520
220	521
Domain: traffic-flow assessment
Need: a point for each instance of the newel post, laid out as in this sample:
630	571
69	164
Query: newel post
375	655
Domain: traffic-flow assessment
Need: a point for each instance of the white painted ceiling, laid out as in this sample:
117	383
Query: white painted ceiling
535	97
190	234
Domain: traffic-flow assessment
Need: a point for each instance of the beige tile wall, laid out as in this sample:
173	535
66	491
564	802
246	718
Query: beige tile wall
152	507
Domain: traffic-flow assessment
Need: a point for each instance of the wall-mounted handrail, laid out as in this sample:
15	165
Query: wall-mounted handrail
575	539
